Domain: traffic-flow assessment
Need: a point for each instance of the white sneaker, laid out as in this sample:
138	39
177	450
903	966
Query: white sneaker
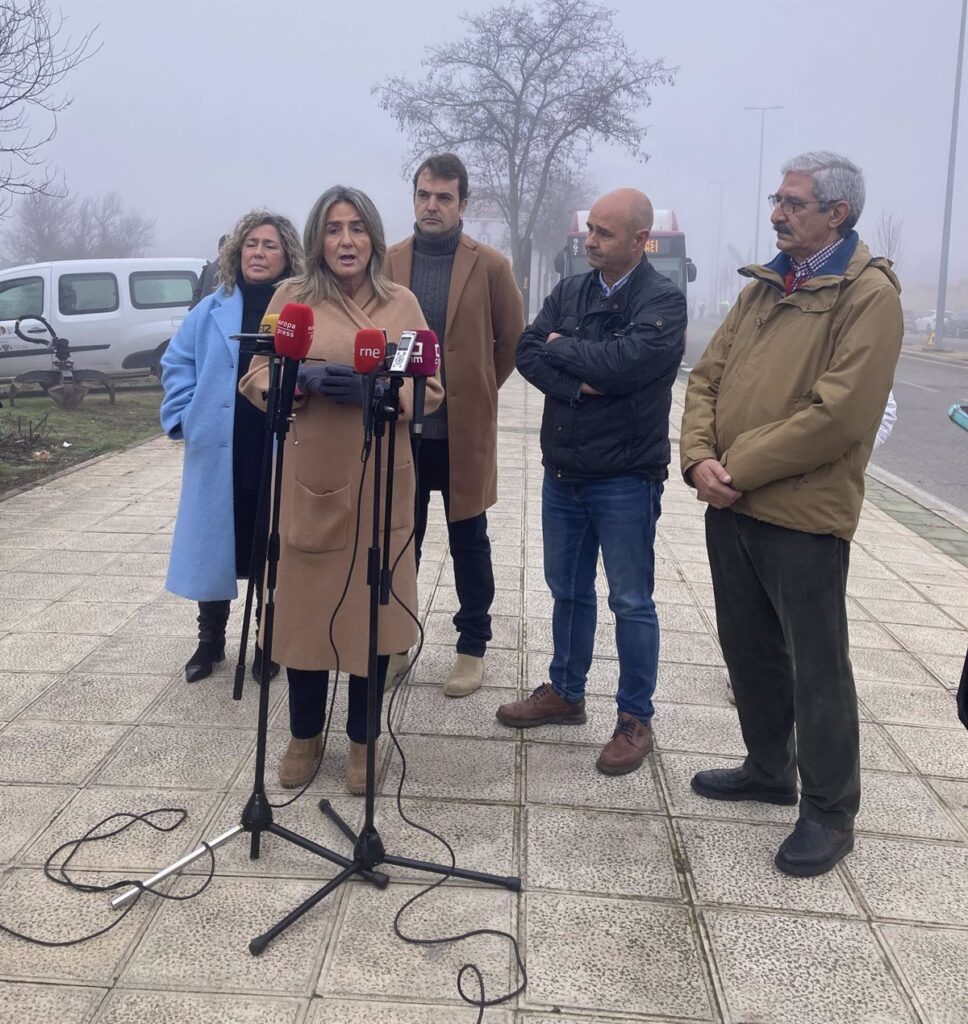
465	677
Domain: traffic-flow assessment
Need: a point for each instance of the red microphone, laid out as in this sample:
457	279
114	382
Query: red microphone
369	350
293	340
424	363
294	331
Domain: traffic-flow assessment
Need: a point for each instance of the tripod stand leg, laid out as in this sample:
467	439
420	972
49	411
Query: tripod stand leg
511	882
330	811
259	943
377	878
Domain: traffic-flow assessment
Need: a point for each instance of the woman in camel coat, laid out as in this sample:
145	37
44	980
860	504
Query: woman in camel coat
345	285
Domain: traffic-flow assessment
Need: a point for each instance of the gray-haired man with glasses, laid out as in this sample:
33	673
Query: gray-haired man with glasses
780	418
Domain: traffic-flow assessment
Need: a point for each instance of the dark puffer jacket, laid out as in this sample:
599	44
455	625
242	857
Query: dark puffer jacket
628	347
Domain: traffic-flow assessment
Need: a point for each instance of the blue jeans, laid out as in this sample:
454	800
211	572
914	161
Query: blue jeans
618	516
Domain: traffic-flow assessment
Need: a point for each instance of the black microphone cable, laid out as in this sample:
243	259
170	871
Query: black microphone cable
93	834
480	1000
61	877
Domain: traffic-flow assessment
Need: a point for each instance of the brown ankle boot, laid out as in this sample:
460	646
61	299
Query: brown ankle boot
300	761
356	768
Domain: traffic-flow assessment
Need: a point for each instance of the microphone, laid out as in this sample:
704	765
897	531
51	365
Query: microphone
293	339
262	343
369	349
294	330
424	363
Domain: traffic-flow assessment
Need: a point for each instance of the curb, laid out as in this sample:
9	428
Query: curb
951	515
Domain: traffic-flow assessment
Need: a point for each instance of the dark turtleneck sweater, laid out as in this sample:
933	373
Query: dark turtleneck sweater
247	435
433	260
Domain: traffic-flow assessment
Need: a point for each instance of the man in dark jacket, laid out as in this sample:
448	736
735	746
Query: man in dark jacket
605	350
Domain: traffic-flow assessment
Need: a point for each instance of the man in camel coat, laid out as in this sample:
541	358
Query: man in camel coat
470	299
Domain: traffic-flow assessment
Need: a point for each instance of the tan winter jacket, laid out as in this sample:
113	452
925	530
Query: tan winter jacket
789	394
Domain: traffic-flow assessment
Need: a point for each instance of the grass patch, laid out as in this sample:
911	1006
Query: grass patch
38	439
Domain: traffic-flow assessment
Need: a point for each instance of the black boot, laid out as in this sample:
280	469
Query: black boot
212	617
257	660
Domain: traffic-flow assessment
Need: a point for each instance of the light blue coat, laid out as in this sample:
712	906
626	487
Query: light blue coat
200	377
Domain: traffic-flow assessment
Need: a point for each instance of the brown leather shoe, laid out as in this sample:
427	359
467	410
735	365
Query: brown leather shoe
543	707
300	761
627	749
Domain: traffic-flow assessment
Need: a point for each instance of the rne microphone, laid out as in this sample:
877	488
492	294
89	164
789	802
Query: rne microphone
424	363
268	325
369	350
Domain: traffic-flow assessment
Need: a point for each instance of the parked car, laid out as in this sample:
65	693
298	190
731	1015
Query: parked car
926	324
910	320
133	306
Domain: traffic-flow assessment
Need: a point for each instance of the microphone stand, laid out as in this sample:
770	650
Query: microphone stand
256	817
368	849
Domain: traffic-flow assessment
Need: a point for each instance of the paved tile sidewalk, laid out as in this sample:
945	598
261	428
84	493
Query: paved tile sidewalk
641	901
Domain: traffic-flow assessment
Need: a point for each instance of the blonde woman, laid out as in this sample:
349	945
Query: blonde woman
345	284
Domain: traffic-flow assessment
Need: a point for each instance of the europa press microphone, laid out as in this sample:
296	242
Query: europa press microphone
293	340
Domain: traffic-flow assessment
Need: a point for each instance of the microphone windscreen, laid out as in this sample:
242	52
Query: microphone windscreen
425	358
268	325
369	349
294	330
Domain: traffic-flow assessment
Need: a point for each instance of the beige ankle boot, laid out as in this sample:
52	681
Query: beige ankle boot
300	761
356	768
465	677
397	668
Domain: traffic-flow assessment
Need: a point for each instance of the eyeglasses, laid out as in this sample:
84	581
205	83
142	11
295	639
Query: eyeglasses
790	206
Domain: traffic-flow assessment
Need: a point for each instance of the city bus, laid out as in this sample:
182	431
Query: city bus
666	249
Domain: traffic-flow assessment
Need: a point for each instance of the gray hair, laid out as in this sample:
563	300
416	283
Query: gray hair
230	253
318	283
834	179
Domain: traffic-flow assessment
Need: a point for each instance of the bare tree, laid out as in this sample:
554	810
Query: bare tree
887	237
522	97
54	228
104	228
35	56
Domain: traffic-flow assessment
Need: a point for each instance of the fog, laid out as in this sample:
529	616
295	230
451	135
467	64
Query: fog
198	110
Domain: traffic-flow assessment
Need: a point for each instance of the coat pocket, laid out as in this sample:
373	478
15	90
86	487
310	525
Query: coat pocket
319	522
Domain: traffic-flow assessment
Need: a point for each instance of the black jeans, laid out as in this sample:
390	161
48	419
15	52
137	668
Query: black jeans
470	549
307	701
782	619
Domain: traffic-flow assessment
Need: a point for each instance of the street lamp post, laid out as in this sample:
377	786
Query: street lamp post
949	193
714	305
759	179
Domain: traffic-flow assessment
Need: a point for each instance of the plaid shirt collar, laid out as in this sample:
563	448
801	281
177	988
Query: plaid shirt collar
608	292
812	265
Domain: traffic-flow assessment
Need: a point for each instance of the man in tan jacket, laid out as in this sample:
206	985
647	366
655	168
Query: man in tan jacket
780	418
470	299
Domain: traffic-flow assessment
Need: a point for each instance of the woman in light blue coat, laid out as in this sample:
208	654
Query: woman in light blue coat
223	433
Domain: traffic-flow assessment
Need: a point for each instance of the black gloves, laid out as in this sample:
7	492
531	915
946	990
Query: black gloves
340	384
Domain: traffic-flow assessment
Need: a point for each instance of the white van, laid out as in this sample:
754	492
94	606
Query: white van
133	306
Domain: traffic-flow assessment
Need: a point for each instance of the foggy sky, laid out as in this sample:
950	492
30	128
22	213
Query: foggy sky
198	110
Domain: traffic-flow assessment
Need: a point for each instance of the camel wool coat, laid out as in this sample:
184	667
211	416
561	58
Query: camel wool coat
320	485
485	319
